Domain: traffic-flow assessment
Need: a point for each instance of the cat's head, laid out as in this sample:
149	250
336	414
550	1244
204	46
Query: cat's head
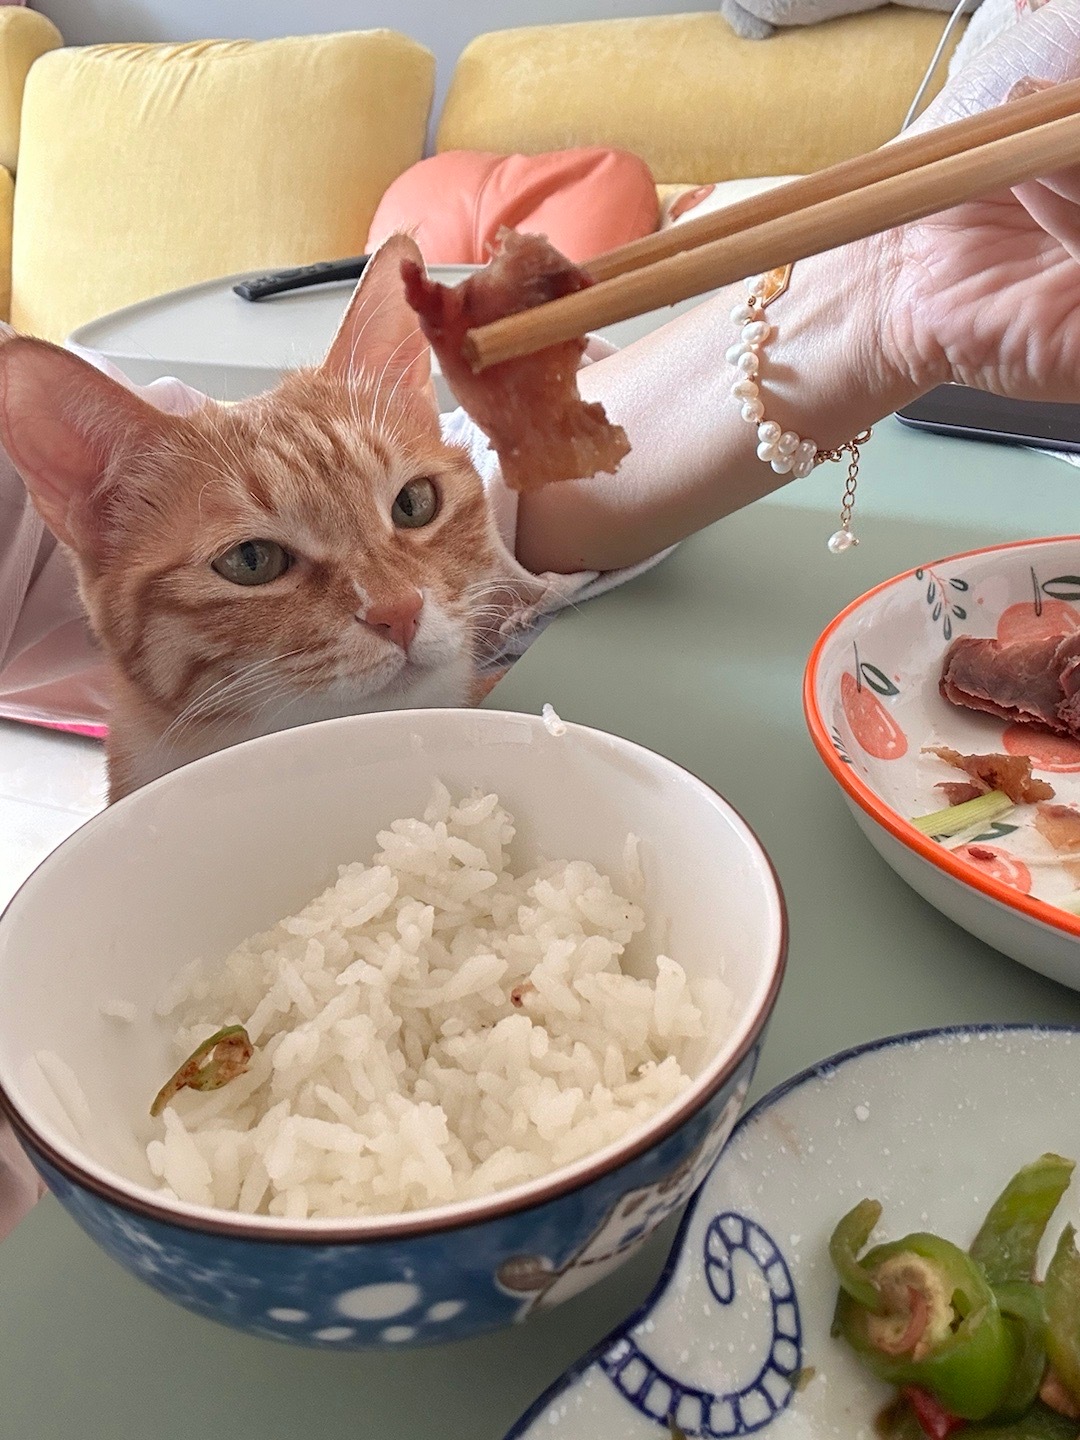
312	552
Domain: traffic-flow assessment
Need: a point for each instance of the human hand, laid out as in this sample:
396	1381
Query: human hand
988	294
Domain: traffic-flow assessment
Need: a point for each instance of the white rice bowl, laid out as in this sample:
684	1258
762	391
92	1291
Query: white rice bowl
430	1029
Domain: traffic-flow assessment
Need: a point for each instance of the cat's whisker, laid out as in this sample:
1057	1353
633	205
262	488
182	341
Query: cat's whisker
267	685
366	419
259	434
284	702
405	340
498	598
487	586
393	434
508	594
229	687
202	697
492	600
218	475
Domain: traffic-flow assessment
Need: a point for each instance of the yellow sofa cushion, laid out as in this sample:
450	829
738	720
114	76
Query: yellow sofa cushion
686	94
7	202
24	37
148	167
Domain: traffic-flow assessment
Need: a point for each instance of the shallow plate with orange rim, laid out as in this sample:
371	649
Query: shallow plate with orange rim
873	706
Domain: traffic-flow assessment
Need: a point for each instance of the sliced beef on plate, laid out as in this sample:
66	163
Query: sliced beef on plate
1020	681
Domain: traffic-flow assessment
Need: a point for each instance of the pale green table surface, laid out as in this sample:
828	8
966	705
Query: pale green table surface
701	659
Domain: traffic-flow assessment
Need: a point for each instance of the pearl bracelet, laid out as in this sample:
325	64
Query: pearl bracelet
785	451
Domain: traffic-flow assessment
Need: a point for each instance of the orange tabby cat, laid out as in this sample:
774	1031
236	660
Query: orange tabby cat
313	552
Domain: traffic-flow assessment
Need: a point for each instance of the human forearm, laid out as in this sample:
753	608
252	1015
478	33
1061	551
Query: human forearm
824	374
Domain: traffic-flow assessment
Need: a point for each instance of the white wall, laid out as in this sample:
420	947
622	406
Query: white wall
444	26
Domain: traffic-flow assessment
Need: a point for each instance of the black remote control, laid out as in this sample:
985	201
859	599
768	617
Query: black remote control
277	282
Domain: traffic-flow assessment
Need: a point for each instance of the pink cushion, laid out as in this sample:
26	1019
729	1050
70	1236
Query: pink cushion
94	732
585	201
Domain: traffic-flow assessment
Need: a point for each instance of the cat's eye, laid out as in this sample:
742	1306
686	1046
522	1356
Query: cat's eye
253	562
417	504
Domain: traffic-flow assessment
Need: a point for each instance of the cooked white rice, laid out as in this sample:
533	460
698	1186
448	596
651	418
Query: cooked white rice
429	1029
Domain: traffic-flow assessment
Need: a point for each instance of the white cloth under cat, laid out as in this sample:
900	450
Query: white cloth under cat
50	670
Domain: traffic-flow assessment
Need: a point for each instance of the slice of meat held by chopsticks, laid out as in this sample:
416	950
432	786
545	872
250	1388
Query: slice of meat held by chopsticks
493	323
529	409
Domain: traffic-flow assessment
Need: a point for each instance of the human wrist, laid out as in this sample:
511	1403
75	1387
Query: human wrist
825	374
833	368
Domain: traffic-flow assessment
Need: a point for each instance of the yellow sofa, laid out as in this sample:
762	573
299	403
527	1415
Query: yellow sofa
695	101
140	168
24	37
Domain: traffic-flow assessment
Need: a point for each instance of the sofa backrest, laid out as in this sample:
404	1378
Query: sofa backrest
148	167
24	37
697	103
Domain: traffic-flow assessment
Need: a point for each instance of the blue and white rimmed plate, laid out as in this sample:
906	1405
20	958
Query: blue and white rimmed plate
931	1124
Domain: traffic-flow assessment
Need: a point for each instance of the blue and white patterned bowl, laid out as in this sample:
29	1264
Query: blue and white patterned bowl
219	850
931	1124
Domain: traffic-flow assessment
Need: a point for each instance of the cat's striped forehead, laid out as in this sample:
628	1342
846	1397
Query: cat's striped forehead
286	440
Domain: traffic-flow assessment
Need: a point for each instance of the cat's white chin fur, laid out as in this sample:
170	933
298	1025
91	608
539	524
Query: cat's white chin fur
438	671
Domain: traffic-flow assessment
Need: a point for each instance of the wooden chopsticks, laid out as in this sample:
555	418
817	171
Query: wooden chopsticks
905	181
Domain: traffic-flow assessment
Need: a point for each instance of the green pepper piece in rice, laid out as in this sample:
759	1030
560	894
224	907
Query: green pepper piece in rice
229	1051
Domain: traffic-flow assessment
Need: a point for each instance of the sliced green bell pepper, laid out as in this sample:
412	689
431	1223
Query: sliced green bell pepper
1061	1295
1008	1242
1040	1423
849	1237
1021	1303
937	1324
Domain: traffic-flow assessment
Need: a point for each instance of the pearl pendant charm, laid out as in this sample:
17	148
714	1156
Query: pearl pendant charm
785	451
841	540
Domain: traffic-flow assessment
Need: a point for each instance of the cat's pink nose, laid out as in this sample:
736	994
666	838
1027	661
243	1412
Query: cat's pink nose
396	619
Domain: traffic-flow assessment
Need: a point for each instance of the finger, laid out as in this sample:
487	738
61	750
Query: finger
1046	44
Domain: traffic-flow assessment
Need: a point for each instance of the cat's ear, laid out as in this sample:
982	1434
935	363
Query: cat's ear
380	334
62	423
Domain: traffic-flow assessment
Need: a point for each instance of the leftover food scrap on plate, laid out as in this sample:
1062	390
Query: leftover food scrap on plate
1008	824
